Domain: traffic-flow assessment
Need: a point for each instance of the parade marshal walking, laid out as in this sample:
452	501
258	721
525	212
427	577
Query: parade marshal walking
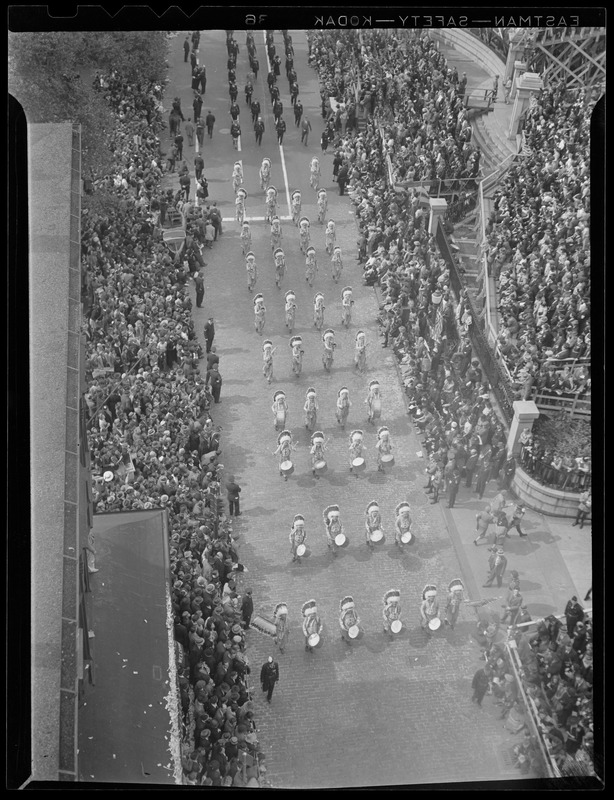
269	675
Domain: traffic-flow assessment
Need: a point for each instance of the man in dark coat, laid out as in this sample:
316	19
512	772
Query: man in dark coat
200	289
574	613
247	608
209	122
209	332
269	675
479	684
342	178
215	381
186	49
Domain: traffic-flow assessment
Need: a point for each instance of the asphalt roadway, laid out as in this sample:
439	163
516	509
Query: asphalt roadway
378	712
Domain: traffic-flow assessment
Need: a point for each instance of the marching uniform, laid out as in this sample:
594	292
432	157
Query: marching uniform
429	608
279	409
314	173
392	609
280	266
318	310
374	402
312	624
348	619
455	598
265	173
237	176
271	204
246	238
322	205
311	265
337	263
360	351
298	534
240	206
333	527
330	236
282	628
296	205
343	406
383	446
402	525
346	306
267	357
296	343
316	451
284	450
373	521
259	314
310	408
290	310
252	271
328	337
276	234
304	235
356	447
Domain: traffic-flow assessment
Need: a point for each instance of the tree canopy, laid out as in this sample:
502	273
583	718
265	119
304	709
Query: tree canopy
51	75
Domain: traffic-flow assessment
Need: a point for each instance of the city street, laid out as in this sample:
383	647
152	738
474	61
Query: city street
377	712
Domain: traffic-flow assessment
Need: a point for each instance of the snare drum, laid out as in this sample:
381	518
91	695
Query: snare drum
376	536
313	640
353	632
434	624
407	538
358	464
377	408
388	460
320	467
341	540
280	419
301	550
396	625
286	468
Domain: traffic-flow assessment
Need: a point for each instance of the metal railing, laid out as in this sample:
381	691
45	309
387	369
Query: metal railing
550	401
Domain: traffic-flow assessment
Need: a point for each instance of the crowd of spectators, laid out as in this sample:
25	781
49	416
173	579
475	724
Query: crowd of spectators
538	250
153	442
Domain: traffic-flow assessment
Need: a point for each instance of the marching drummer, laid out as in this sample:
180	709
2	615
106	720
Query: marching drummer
402	526
328	337
282	628
311	408
246	239
267	357
318	310
343	406
280	266
296	343
265	173
429	608
453	603
279	409
240	205
285	446
312	625
276	234
374	402
337	263
392	611
322	205
333	528
318	446
259	314
383	446
237	176
311	265
290	309
360	351
314	173
297	537
346	306
271	204
252	270
373	521
304	235
356	449
330	236
296	204
349	621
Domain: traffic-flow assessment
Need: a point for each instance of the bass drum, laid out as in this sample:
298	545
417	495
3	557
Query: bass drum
286	468
314	640
359	465
396	625
388	460
320	467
